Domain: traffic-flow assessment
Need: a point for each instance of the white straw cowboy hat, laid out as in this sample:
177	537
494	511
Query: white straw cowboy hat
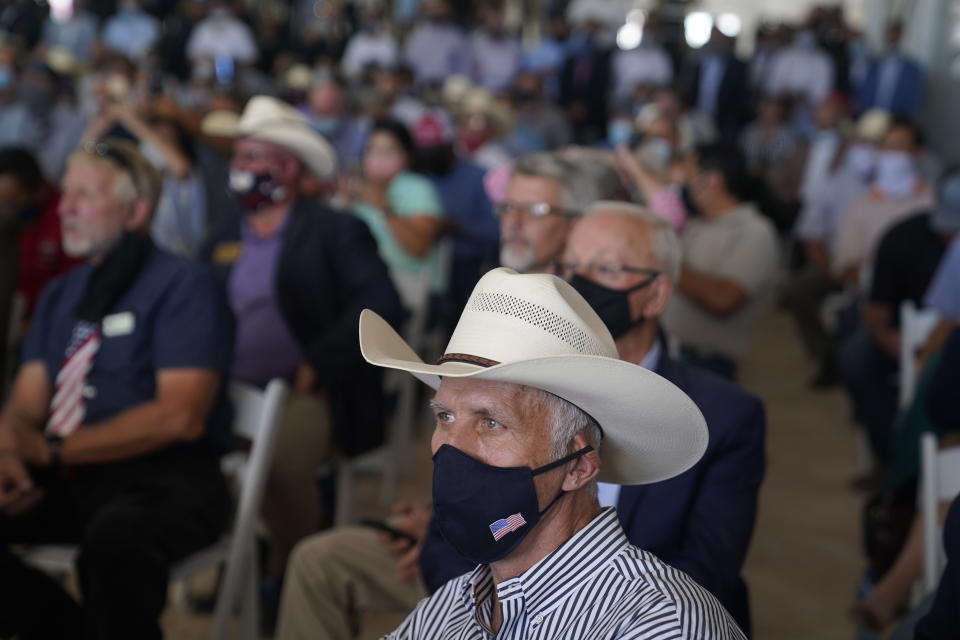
536	330
271	120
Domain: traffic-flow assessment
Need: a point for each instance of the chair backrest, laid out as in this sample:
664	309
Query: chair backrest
915	327
256	415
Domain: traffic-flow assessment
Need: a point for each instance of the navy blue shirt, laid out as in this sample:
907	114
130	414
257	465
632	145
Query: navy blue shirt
173	316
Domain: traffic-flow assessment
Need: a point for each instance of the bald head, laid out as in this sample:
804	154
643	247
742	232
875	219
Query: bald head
626	234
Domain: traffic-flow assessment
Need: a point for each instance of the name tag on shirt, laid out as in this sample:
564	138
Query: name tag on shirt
118	324
227	252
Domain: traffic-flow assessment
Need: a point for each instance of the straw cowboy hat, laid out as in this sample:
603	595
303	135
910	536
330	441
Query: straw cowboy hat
536	330
270	120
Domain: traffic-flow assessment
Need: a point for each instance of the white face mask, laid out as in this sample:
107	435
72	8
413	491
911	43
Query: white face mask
153	156
896	174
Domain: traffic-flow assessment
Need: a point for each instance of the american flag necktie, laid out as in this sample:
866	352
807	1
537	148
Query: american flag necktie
68	407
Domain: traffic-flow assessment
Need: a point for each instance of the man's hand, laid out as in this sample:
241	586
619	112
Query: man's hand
32	447
15	482
412	519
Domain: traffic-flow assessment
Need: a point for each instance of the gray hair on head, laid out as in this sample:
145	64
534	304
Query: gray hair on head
566	421
578	188
664	243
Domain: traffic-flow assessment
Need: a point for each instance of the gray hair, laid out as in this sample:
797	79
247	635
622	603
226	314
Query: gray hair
566	421
664	243
579	186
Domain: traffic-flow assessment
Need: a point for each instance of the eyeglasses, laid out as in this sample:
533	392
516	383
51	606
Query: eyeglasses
536	209
606	270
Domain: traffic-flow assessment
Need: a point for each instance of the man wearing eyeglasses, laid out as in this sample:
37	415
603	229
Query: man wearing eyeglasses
545	195
108	440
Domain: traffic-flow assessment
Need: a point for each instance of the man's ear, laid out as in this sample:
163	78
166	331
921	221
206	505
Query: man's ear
139	219
584	469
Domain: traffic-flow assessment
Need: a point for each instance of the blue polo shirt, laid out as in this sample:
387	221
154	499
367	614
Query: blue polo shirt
173	316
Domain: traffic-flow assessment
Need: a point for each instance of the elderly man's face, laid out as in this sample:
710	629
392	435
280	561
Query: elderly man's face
532	243
608	247
93	211
497	423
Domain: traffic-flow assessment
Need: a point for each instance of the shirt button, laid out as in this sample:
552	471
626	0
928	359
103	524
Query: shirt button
89	392
537	619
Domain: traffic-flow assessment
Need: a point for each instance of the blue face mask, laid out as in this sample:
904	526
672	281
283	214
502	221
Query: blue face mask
6	76
483	511
325	125
619	133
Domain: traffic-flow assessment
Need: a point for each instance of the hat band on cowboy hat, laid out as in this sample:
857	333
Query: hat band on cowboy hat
536	330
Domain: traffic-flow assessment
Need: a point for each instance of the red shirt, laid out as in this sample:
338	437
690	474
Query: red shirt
40	253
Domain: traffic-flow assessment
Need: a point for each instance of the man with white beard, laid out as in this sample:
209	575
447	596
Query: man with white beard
546	194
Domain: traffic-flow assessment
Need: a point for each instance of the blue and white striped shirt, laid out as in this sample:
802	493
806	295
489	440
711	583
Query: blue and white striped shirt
597	586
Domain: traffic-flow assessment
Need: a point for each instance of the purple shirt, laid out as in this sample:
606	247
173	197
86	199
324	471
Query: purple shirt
264	348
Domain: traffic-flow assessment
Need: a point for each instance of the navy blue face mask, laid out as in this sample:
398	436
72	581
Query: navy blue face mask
484	511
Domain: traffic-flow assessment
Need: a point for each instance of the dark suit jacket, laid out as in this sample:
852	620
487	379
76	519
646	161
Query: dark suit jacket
733	95
907	93
943	621
328	272
701	521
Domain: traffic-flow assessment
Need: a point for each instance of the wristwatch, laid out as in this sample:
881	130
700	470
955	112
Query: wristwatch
53	448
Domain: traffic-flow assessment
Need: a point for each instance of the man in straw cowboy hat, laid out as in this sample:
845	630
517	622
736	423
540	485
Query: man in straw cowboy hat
297	274
532	409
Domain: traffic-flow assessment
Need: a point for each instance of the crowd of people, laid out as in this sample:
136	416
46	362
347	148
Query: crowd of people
202	192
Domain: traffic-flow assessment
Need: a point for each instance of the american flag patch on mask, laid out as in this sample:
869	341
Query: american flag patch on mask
503	526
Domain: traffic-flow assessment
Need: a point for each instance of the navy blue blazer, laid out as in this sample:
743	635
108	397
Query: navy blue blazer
701	521
907	93
943	621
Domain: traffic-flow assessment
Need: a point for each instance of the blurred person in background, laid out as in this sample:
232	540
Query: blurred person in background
223	38
548	54
112	434
131	31
327	110
729	263
401	208
646	65
585	83
373	44
717	85
459	184
495	53
816	230
769	144
296	274
44	118
802	72
70	27
819	156
436	48
540	125
483	122
898	189
894	82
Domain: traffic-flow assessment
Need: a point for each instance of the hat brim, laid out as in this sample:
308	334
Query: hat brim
652	431
317	155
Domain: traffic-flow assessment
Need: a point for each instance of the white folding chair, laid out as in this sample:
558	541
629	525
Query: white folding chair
939	483
256	415
915	327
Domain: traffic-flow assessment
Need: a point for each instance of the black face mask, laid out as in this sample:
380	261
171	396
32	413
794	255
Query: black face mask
612	305
483	511
688	202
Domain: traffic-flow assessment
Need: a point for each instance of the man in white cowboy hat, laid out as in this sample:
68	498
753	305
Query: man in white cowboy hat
297	274
532	409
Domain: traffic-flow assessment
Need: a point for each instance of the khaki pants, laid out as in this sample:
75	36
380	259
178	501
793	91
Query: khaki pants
338	577
291	501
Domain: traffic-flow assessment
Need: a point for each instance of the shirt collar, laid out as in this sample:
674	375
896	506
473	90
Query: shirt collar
546	584
652	359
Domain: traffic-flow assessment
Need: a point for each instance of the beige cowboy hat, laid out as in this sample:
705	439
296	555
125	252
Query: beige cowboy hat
536	330
271	120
